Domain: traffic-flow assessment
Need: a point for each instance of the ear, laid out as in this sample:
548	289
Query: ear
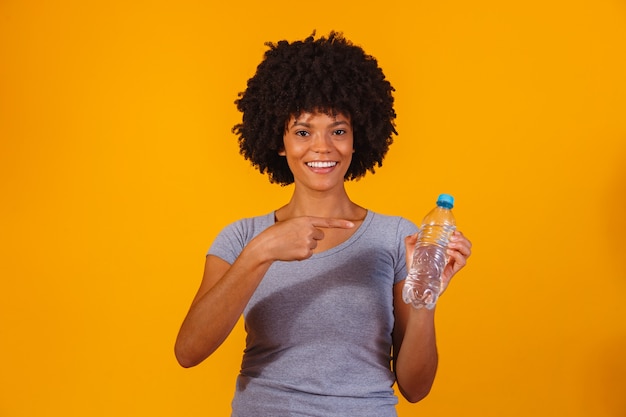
282	152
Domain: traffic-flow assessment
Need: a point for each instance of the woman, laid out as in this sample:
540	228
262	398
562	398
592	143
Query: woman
319	280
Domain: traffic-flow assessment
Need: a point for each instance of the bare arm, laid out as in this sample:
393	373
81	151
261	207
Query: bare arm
226	289
221	298
414	341
415	348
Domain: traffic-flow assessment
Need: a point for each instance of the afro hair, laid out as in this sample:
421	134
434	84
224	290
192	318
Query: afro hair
329	75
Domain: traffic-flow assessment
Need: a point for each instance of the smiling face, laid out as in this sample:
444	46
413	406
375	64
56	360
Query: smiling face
319	149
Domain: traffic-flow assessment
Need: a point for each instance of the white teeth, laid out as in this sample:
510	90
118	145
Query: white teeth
321	164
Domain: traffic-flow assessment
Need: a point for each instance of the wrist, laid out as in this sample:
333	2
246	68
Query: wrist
422	315
257	250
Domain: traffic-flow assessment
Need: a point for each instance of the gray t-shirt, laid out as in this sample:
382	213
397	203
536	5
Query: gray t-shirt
319	330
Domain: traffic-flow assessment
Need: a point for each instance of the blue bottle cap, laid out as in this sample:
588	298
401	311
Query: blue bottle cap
445	200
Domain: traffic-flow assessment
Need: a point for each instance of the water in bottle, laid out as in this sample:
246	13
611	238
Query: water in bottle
423	283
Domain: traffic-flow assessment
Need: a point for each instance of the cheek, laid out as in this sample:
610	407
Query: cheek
346	148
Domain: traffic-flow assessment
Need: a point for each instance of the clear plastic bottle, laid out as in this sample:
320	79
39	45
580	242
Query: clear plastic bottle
423	283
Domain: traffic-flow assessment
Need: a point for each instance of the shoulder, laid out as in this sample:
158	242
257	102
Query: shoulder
389	233
249	227
399	226
235	236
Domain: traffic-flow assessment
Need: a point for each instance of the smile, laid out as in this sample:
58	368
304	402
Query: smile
321	164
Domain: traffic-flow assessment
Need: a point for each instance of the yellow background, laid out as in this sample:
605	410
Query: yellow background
118	168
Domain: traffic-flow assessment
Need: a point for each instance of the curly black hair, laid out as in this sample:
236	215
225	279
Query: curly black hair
329	75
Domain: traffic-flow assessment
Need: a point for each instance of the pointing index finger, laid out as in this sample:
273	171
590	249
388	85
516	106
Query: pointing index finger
331	222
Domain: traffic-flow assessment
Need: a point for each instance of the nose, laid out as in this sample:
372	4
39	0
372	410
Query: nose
322	144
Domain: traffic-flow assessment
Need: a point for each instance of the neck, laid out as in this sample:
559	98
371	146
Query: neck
325	204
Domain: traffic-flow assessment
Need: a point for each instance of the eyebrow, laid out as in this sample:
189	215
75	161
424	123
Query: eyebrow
334	124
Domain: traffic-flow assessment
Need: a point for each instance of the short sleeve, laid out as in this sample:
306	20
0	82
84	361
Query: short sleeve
233	238
405	228
228	244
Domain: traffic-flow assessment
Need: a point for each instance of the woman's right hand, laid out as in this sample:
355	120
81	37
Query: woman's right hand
296	239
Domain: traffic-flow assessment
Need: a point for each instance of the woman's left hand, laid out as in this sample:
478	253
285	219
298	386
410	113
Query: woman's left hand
459	249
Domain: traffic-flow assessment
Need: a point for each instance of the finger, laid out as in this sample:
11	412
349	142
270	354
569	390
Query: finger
457	235
464	249
317	234
460	243
409	244
458	258
331	222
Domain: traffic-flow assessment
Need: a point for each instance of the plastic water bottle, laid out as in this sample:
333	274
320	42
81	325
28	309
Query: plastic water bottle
423	283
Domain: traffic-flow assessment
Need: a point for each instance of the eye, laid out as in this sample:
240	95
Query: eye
339	132
302	133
